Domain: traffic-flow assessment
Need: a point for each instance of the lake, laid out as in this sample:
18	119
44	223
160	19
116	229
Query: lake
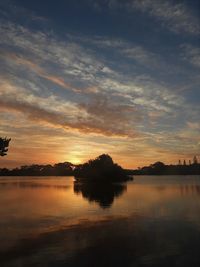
52	221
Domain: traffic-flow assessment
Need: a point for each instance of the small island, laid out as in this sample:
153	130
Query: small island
101	169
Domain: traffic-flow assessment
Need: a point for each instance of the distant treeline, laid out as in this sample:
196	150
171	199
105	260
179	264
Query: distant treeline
59	169
69	169
159	168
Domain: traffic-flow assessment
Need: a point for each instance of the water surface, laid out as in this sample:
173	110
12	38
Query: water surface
52	221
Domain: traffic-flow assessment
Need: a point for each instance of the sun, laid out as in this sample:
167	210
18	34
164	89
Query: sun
75	160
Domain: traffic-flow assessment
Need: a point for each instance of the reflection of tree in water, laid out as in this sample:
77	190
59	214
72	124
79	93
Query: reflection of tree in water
32	185
102	194
190	189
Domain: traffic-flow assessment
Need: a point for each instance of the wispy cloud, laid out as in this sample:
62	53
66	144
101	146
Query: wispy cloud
176	16
20	61
76	66
93	93
193	125
99	116
128	50
191	54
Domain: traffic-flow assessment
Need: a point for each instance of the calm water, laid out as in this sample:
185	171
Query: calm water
151	221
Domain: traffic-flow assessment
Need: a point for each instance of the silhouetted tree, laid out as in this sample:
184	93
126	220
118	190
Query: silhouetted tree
158	165
60	169
63	168
159	168
101	169
4	143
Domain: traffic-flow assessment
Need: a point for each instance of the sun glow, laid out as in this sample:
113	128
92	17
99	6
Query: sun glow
75	160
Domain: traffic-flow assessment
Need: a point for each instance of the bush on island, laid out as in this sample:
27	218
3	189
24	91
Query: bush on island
101	169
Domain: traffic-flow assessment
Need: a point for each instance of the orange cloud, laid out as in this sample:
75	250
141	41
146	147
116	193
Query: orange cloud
36	113
41	72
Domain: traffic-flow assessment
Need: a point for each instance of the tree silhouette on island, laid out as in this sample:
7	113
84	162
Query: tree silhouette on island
101	169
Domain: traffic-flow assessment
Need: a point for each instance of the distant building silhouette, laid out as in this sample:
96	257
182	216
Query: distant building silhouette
195	161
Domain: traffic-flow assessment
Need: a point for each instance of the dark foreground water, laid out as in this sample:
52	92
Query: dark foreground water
151	221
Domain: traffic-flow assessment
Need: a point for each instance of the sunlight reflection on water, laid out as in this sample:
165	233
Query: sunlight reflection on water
52	221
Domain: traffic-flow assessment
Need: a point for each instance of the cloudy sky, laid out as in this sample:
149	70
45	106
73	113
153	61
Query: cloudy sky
85	77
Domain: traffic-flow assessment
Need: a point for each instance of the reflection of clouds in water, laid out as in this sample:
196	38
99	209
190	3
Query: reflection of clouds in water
102	194
133	241
150	225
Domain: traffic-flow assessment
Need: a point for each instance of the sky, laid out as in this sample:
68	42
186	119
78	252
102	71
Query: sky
84	77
